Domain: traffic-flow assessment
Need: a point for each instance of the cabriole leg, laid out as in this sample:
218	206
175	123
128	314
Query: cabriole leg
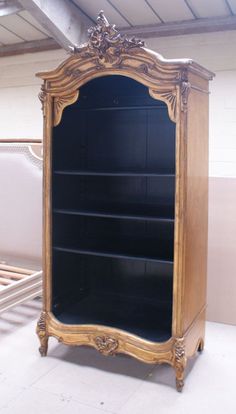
42	334
43	345
201	346
179	379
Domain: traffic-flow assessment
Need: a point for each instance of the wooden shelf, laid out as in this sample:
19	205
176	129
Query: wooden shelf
113	208
147	319
104	214
124	108
105	253
114	173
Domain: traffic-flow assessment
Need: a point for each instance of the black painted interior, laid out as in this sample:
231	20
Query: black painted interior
113	192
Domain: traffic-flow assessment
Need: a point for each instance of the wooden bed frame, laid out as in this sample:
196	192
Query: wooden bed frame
17	285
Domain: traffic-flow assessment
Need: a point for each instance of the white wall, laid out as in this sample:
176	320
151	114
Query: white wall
20	108
223	124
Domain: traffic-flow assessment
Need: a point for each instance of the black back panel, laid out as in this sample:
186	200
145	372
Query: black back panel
113	192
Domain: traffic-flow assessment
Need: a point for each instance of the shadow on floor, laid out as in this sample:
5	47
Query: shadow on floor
19	316
162	374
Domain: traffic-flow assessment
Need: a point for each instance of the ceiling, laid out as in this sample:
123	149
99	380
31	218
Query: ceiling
129	13
18	26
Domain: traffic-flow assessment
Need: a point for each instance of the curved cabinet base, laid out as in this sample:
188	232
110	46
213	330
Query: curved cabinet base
111	341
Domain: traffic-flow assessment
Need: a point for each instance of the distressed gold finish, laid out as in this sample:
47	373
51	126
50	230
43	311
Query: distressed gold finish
183	86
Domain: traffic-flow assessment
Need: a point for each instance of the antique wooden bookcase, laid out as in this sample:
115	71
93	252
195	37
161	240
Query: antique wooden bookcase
125	201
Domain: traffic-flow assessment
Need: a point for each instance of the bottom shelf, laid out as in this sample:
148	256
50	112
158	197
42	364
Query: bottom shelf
148	319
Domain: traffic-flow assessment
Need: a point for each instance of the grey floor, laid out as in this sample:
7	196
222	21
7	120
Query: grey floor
80	380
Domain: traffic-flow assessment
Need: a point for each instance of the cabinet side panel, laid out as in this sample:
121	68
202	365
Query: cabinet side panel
196	211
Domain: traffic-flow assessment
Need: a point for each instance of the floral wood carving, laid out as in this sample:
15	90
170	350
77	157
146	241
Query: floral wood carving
41	325
185	89
42	96
106	52
179	349
42	333
106	42
107	345
179	362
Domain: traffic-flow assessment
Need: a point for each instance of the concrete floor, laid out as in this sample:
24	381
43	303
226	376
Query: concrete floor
80	380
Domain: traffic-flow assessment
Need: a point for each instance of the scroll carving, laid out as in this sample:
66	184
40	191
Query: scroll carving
110	52
41	326
179	350
182	75
42	96
42	333
179	362
185	89
106	42
107	345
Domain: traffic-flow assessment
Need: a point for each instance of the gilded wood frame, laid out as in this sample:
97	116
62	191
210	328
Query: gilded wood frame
109	53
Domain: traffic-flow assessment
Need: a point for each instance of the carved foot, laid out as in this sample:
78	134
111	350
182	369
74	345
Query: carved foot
180	363
179	385
201	346
42	334
43	349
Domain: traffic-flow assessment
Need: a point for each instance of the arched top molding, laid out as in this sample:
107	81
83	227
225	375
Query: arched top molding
110	53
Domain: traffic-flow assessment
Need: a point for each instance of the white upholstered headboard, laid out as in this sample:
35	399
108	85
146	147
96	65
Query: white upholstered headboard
21	202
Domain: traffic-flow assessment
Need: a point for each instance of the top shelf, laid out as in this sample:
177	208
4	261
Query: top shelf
115	173
118	107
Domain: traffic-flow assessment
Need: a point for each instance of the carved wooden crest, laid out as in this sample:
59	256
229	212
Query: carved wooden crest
106	42
109	52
